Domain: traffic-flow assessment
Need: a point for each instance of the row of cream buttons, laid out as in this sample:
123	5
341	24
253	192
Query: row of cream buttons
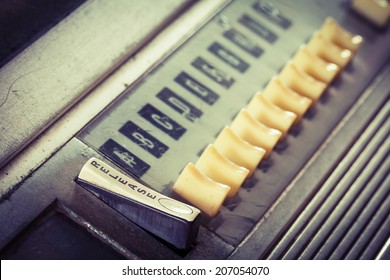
239	148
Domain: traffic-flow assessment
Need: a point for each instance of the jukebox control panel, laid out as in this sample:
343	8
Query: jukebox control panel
223	123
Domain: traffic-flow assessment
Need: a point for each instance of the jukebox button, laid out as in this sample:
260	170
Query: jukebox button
242	153
332	32
376	11
254	132
269	114
286	98
328	51
200	191
217	167
315	66
301	82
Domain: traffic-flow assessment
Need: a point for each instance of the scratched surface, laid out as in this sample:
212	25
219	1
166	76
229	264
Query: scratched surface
53	73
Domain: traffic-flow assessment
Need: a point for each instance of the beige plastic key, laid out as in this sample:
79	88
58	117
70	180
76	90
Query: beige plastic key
286	98
301	82
333	32
217	167
242	153
376	11
328	51
315	66
269	114
200	191
254	132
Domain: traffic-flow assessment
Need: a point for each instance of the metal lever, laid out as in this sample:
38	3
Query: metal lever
169	219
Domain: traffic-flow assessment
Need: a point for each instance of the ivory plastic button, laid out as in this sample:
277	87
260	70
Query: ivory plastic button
329	51
286	98
315	66
254	132
217	167
331	31
239	151
376	11
269	114
200	191
301	82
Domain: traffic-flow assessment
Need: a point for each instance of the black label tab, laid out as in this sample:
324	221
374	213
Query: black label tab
196	88
272	13
229	57
212	72
243	42
258	28
162	121
143	139
124	158
179	104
